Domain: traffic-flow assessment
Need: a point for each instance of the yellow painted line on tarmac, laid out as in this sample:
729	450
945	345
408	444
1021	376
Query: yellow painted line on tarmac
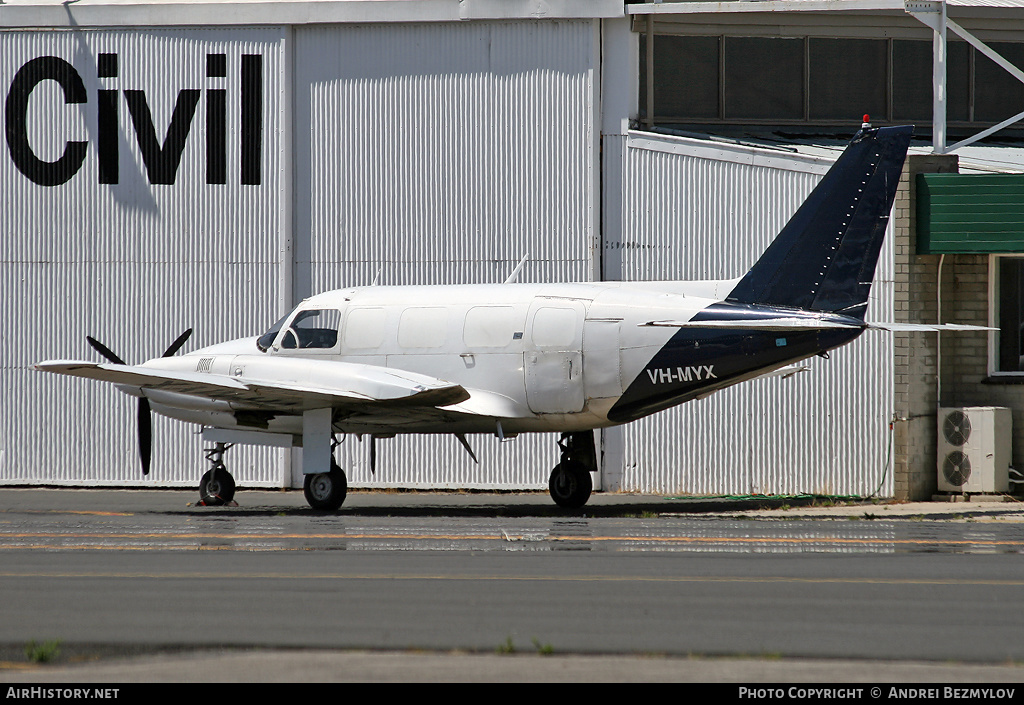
95	512
512	578
18	666
525	538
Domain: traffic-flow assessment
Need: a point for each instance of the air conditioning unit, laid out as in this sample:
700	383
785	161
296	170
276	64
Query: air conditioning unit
974	449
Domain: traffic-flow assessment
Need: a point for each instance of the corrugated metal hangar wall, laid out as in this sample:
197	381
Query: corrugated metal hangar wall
132	240
212	177
446	167
699	210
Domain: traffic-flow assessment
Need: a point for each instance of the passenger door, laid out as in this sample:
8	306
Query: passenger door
553	359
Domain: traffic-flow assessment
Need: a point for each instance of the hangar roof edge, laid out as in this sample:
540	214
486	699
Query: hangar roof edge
687	7
766	147
16	14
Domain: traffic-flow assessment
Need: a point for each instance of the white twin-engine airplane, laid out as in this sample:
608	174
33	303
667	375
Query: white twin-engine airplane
515	358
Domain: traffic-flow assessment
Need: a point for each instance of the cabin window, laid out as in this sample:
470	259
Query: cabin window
312	329
489	326
424	327
365	328
554	327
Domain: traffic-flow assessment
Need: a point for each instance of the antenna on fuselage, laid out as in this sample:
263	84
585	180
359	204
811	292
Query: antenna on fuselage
515	272
376	277
465	444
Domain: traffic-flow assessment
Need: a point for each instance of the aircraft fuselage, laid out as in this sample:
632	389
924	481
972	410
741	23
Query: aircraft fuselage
514	358
537	357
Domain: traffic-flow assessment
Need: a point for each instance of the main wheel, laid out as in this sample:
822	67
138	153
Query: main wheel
216	487
570	484
326	490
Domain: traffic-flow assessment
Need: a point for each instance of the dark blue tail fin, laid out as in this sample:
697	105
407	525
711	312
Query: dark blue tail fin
825	257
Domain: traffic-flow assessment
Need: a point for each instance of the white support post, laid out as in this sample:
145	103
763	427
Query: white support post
649	59
933	14
316	441
939	84
286	224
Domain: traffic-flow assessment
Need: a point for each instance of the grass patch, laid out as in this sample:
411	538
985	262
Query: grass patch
543	649
42	652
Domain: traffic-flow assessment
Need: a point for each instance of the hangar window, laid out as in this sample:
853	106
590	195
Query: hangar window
1009	314
816	80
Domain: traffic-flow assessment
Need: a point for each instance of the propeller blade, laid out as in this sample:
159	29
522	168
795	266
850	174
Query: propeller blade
104	350
145	435
145	421
176	345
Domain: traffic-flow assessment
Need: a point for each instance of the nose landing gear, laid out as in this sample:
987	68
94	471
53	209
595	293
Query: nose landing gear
216	487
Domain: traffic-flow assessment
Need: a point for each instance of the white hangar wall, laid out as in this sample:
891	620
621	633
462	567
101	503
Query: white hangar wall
444	154
431	153
694	210
95	245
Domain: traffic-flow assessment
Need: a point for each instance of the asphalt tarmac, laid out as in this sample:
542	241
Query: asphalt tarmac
97	547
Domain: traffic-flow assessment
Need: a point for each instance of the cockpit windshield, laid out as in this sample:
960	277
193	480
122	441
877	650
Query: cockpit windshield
267	339
312	328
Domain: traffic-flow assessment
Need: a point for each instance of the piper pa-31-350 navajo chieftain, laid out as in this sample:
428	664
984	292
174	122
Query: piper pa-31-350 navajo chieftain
514	358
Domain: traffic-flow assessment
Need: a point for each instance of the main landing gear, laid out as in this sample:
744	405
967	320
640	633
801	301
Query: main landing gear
570	484
216	487
326	490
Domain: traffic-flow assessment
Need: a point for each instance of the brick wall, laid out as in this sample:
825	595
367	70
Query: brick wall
964	355
916	354
965	359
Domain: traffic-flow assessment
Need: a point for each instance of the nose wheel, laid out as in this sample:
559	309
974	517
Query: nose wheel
216	487
570	484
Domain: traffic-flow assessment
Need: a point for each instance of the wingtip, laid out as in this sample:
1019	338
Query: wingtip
63	365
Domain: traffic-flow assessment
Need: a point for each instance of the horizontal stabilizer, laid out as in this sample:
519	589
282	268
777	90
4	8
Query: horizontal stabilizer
785	372
804	324
926	327
769	324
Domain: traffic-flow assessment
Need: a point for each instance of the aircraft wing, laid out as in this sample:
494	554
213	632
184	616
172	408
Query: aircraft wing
486	403
330	384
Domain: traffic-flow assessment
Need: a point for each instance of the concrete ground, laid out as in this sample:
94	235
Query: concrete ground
303	666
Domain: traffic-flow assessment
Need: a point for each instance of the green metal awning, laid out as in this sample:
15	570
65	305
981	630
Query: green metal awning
970	214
